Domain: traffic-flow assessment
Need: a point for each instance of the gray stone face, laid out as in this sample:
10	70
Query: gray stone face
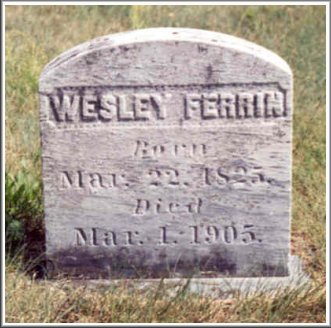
167	152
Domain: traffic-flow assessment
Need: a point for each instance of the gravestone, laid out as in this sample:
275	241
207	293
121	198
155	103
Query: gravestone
167	153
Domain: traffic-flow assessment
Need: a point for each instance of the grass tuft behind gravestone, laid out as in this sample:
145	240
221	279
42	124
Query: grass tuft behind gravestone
296	33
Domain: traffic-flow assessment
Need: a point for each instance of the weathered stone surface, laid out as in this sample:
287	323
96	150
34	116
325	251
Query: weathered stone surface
167	152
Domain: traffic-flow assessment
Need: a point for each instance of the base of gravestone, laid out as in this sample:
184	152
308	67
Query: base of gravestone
214	287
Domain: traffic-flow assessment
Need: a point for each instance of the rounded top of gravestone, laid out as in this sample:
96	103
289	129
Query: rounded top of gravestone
158	43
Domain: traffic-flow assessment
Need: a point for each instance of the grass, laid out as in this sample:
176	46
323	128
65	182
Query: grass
61	302
36	34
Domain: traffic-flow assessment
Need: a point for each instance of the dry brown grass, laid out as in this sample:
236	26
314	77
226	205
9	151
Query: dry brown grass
62	301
